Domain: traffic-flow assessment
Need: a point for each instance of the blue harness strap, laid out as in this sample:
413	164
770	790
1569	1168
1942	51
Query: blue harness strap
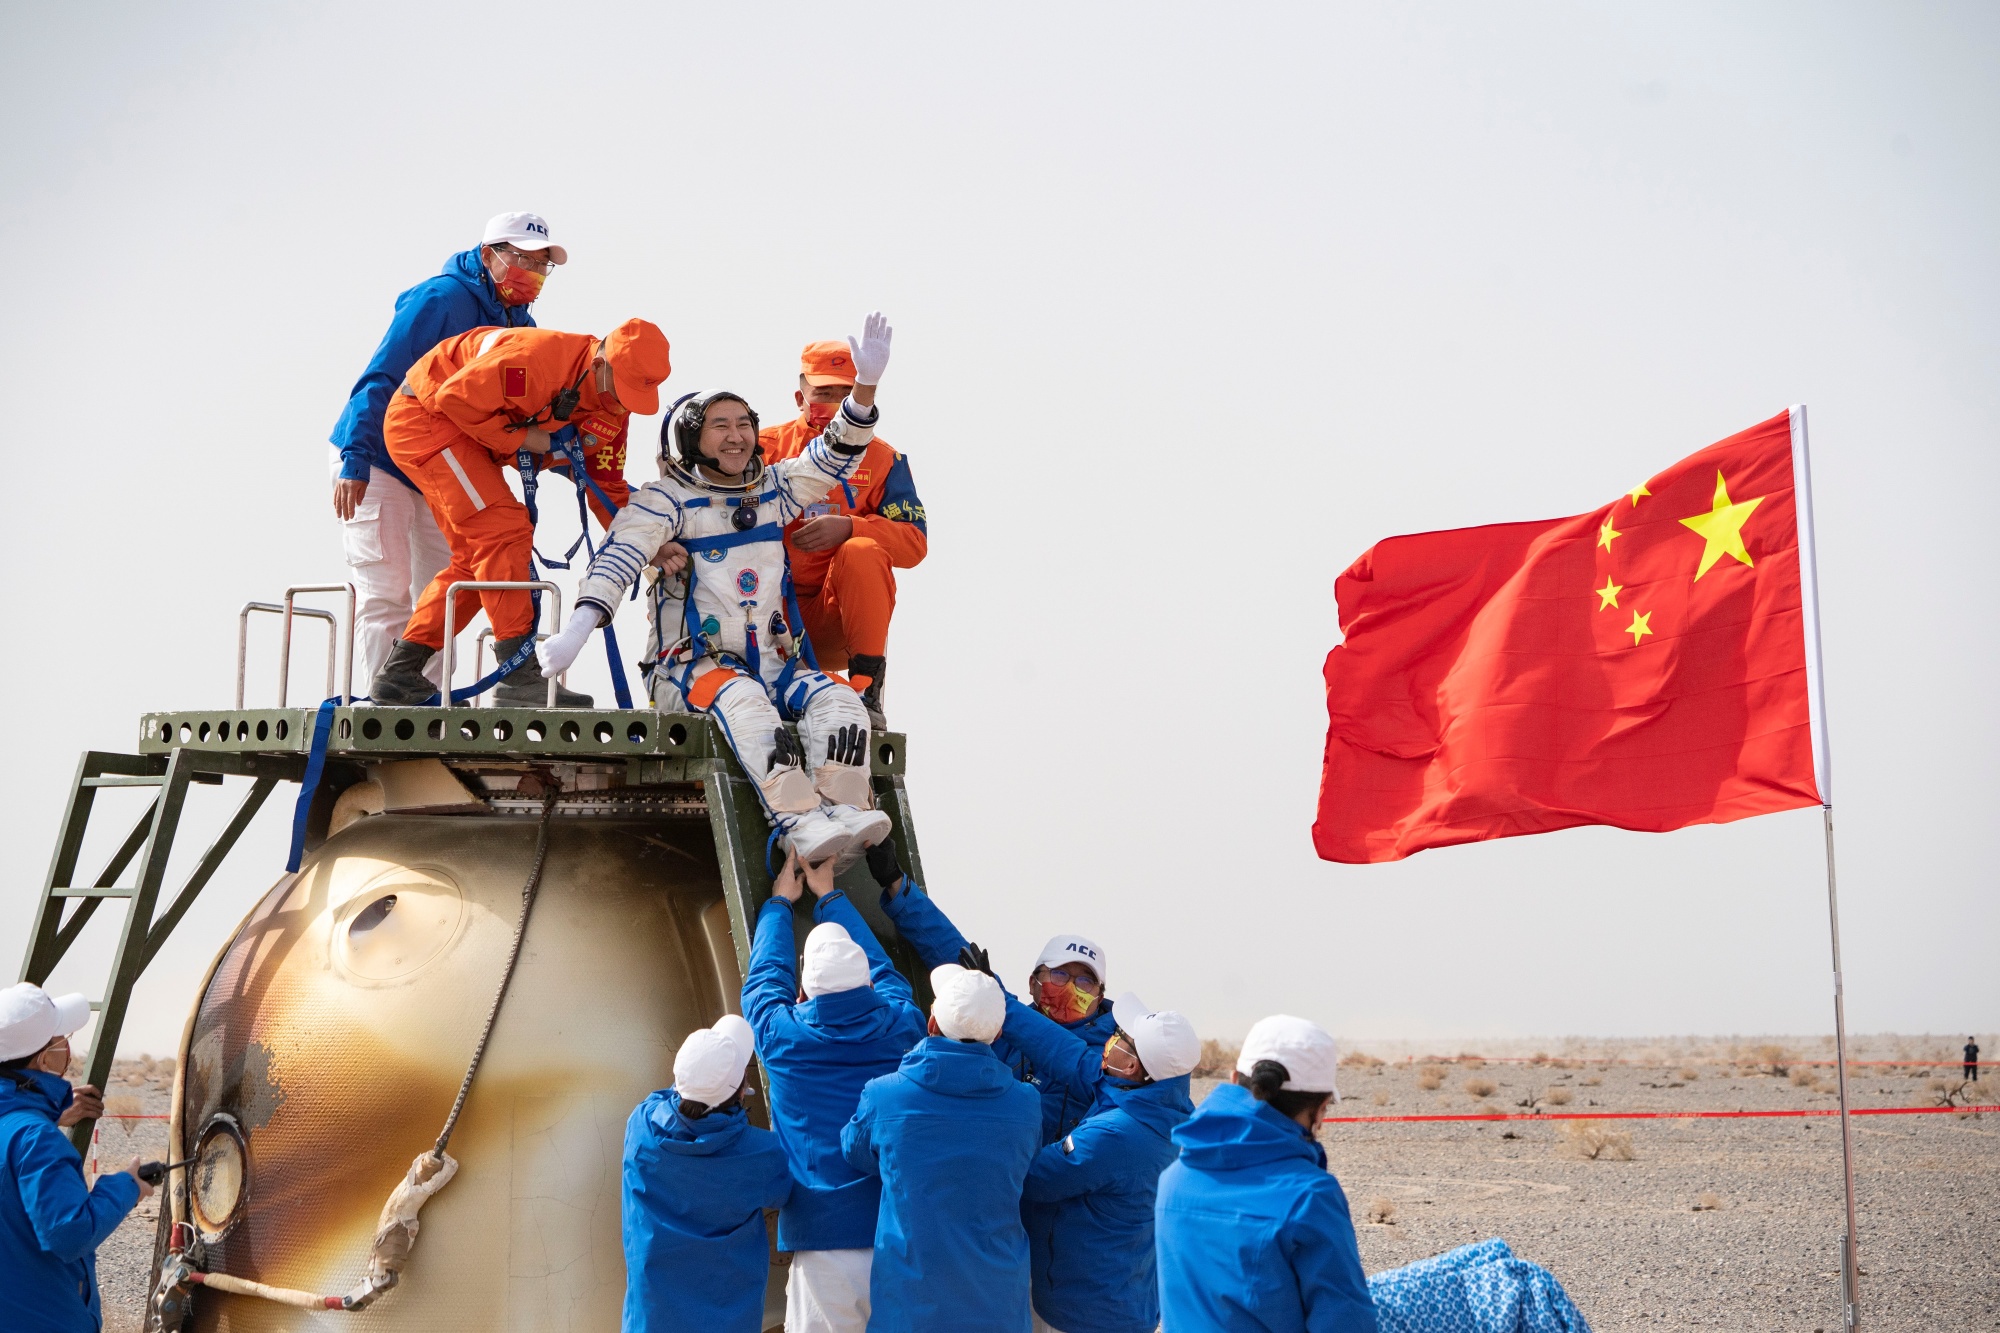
309	782
565	446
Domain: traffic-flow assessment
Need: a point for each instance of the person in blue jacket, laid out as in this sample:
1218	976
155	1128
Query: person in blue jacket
952	1135
392	542
1254	1235
698	1177
855	1023
1088	1200
50	1223
1066	986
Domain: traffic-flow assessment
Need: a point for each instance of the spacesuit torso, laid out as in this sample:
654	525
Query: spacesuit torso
740	603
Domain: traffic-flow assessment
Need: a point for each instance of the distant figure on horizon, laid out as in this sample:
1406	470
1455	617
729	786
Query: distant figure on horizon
1971	1059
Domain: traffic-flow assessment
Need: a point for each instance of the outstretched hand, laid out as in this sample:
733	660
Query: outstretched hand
974	958
787	885
555	654
819	878
871	349
882	864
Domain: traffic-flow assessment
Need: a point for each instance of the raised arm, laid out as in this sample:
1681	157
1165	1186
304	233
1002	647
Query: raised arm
69	1221
829	458
833	905
923	923
1081	1162
1060	1057
772	986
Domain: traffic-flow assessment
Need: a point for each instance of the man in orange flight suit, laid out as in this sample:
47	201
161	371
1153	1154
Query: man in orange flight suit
844	551
464	410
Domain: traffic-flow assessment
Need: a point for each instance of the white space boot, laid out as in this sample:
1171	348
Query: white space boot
865	827
817	835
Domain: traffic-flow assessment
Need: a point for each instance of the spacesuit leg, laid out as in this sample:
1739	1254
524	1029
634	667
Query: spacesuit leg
750	722
823	706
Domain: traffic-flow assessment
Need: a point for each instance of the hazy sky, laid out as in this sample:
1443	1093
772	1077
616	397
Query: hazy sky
1193	304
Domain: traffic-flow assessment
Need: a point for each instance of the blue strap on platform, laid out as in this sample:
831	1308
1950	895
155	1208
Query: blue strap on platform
309	782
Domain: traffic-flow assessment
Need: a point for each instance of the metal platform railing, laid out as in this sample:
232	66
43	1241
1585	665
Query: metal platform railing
290	611
451	625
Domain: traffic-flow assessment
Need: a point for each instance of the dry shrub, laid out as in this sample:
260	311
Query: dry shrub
1469	1060
1217	1060
1382	1212
1593	1082
1430	1078
116	1105
1539	1058
147	1063
1359	1059
1381	1099
1690	1074
1707	1201
1557	1096
1596	1143
1479	1087
1804	1078
1771	1060
166	1067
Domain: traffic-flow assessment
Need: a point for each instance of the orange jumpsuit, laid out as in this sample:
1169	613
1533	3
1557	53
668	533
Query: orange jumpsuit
447	429
848	594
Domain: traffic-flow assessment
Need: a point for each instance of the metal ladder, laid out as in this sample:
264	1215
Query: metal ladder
57	926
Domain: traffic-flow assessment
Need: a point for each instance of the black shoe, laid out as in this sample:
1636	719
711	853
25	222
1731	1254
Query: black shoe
401	681
527	687
872	666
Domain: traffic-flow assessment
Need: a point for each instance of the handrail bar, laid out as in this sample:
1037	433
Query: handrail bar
243	641
451	624
285	664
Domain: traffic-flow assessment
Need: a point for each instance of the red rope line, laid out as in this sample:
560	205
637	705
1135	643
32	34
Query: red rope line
1658	1115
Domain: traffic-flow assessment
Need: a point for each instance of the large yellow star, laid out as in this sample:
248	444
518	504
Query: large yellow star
1607	535
1608	594
1638	491
1722	527
1638	629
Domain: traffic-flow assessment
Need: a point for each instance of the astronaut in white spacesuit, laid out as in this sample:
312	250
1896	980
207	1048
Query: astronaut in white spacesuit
726	633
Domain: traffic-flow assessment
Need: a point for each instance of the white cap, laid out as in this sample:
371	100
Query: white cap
737	1028
833	962
1166	1041
523	231
709	1066
1073	949
1303	1047
31	1018
969	1005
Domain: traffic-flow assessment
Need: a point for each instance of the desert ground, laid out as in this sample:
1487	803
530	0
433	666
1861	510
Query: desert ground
1727	1224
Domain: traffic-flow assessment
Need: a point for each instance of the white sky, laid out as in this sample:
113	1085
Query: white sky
1192	305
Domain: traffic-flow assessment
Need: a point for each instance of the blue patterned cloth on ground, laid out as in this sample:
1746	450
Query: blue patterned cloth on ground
1479	1288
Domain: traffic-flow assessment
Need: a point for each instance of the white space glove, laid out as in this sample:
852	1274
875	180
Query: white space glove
555	654
871	352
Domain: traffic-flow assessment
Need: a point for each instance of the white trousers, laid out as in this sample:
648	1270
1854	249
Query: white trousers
394	549
828	1291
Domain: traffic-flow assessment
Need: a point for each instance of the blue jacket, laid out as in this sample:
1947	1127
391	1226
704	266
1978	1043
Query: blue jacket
458	300
50	1225
1088	1203
952	1134
1254	1235
937	942
818	1054
696	1254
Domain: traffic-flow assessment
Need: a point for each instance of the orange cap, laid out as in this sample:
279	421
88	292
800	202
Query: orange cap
640	363
827	363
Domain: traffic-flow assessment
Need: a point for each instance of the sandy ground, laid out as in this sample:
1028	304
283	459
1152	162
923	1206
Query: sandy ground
1728	1224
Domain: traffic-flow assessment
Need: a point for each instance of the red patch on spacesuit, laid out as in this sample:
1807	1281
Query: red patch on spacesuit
514	381
859	477
603	428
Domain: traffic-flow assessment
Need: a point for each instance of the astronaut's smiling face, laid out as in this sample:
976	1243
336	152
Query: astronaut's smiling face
728	437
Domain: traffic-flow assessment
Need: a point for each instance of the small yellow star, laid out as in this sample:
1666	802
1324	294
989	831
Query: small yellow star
1638	629
1722	528
1638	491
1608	594
1607	534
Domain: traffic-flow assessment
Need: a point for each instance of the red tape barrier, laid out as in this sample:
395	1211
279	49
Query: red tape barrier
1659	1115
1555	1060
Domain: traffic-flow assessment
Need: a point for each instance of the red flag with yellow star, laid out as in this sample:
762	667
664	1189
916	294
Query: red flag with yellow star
1642	665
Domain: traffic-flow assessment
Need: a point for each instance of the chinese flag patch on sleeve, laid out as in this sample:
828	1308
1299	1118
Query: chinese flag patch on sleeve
514	381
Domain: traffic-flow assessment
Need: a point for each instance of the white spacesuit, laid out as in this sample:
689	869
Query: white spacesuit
733	650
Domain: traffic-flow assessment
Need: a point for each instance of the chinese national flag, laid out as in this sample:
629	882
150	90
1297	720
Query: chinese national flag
1642	665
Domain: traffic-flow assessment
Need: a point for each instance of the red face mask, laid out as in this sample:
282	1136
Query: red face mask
820	415
518	286
1063	1001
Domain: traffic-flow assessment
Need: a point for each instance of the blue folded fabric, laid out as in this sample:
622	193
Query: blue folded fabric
1479	1288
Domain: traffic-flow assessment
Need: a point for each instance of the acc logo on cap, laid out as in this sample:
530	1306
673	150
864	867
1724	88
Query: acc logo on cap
1073	947
535	227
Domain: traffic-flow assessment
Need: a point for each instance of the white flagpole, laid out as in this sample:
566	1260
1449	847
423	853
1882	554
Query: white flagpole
1823	772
